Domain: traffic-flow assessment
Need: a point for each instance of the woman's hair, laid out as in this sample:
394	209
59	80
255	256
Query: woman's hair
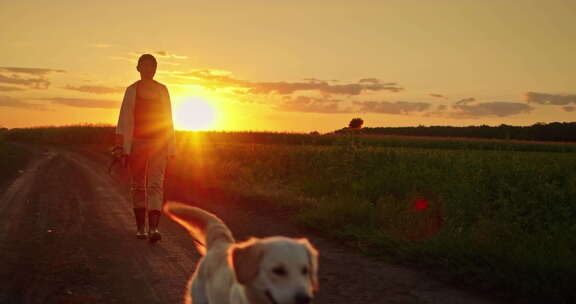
146	57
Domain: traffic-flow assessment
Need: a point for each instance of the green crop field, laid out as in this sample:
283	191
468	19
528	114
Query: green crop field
504	216
497	211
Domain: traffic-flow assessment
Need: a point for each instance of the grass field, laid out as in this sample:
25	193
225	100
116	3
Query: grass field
501	212
505	217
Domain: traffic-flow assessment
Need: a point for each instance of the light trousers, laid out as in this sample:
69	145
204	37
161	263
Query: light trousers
147	163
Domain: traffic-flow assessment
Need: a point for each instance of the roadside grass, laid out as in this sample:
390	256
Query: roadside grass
13	158
492	213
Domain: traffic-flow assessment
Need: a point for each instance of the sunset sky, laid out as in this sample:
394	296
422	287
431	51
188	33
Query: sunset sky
295	66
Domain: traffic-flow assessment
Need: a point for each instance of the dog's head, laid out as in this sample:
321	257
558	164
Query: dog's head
276	270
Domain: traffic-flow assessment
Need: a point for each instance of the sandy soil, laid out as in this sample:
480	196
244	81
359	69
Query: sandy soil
67	236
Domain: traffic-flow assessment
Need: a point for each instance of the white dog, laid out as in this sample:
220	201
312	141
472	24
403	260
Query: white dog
274	270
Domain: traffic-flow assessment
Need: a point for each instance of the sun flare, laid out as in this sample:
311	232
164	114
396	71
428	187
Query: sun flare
194	114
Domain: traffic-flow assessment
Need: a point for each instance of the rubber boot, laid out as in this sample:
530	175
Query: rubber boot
153	221
140	215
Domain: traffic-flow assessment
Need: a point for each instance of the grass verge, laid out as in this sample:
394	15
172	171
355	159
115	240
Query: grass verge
13	158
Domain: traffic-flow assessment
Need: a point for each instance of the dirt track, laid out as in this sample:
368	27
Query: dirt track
67	236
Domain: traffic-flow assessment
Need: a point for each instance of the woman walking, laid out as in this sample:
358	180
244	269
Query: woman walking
146	133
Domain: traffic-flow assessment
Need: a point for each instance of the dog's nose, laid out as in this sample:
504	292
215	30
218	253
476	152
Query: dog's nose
302	298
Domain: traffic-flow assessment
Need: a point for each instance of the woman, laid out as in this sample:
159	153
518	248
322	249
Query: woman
146	133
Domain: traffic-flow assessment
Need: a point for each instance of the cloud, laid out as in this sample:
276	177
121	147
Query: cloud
375	81
96	89
30	71
29	77
466	101
216	79
164	54
212	78
329	105
495	108
285	88
85	102
10	89
161	57
398	107
7	101
569	108
311	105
550	99
36	83
437	95
318	80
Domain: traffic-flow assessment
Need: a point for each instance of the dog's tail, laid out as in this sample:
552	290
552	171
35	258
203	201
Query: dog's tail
206	228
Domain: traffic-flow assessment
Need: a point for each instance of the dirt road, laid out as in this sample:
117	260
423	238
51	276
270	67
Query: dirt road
67	236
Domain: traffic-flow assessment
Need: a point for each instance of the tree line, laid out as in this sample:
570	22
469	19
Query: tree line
555	131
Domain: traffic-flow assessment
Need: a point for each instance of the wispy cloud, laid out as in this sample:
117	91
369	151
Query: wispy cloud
311	105
437	96
397	107
85	102
550	99
30	71
471	109
165	54
329	105
569	108
10	89
36	83
7	101
319	80
284	88
466	101
134	60
95	89
29	77
162	57
210	78
216	79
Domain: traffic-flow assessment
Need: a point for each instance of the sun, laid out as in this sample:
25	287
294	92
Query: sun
194	114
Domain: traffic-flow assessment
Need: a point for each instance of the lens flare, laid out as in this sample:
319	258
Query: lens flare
420	204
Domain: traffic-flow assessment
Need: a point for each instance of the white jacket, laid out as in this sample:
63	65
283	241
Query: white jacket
125	125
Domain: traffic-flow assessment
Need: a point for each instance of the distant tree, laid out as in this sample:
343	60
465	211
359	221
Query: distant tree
356	123
314	133
554	131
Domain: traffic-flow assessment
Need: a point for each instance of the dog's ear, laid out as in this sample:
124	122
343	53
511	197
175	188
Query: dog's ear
312	262
245	258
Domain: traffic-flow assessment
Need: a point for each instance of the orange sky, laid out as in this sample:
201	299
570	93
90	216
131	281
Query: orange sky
293	65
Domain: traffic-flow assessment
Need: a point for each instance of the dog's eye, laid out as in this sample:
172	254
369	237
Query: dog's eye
304	270
279	271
